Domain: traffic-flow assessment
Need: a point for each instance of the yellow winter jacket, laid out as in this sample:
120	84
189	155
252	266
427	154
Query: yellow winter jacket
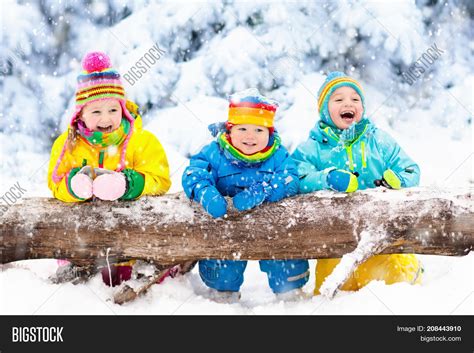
144	155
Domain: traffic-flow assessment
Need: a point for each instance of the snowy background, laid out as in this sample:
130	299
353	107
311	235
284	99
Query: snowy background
211	50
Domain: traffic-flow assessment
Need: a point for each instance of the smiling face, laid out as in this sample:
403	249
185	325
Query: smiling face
345	107
249	138
102	115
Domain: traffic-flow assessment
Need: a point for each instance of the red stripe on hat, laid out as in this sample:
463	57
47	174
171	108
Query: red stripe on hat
268	107
89	88
98	91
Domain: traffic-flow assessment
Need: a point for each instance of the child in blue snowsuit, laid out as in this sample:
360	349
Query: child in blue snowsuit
247	163
346	152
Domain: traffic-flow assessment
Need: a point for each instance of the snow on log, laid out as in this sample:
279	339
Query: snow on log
170	229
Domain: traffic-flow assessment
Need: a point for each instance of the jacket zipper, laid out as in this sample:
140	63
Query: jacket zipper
364	162
101	159
349	156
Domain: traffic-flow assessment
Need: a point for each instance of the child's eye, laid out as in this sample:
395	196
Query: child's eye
259	130
355	99
242	129
339	100
96	112
113	110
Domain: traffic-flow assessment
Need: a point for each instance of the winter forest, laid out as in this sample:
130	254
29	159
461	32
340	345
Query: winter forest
413	59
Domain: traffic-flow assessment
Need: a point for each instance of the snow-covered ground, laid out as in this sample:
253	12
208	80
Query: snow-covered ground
447	289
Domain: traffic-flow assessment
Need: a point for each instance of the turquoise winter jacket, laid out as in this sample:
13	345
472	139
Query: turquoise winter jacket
373	152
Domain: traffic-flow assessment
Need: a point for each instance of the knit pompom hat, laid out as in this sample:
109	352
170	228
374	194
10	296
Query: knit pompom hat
333	81
98	81
250	107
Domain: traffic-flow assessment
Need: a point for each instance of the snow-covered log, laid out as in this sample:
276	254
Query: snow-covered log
171	229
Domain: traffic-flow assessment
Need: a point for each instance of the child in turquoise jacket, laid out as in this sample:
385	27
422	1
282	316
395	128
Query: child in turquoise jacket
346	152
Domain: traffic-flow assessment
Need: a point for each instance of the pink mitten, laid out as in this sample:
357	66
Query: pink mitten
109	187
81	185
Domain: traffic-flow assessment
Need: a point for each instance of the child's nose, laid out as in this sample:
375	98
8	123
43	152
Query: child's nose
251	135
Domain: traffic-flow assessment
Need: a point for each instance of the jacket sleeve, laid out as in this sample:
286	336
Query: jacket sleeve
200	174
311	178
284	181
150	172
62	189
397	160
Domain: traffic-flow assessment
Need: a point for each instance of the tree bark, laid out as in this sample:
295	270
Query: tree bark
170	229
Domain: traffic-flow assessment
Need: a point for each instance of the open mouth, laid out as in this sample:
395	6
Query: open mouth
107	128
249	144
347	115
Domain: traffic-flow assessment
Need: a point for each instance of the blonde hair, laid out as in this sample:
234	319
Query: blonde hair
71	138
72	134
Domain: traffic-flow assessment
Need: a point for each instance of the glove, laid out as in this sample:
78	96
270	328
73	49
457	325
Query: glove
81	185
109	186
212	201
390	180
252	196
342	180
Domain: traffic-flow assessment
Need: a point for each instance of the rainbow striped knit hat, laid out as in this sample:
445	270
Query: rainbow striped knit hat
335	80
98	81
250	107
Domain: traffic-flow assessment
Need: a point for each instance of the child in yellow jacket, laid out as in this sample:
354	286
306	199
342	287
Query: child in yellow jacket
105	153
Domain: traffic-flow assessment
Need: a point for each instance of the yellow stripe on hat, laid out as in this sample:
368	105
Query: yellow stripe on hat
331	84
254	116
100	91
98	85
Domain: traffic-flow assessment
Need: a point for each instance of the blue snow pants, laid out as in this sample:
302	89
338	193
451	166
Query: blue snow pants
228	275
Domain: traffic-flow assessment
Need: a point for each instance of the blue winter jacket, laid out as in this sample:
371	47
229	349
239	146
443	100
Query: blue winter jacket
373	152
215	167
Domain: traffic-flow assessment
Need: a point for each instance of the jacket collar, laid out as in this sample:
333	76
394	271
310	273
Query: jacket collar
326	134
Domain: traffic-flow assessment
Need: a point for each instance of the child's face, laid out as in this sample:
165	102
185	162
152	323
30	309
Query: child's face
249	138
345	107
103	115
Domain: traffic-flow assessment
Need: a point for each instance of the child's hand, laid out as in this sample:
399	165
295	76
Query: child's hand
251	197
212	201
109	186
81	185
390	180
342	180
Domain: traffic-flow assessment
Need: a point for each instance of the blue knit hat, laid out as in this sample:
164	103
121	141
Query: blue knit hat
334	80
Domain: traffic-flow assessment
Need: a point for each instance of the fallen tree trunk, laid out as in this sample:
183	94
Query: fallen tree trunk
169	229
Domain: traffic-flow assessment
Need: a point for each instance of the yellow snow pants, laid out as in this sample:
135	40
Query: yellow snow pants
390	268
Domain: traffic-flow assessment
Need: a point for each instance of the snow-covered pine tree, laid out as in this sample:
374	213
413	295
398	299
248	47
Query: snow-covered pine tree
213	49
